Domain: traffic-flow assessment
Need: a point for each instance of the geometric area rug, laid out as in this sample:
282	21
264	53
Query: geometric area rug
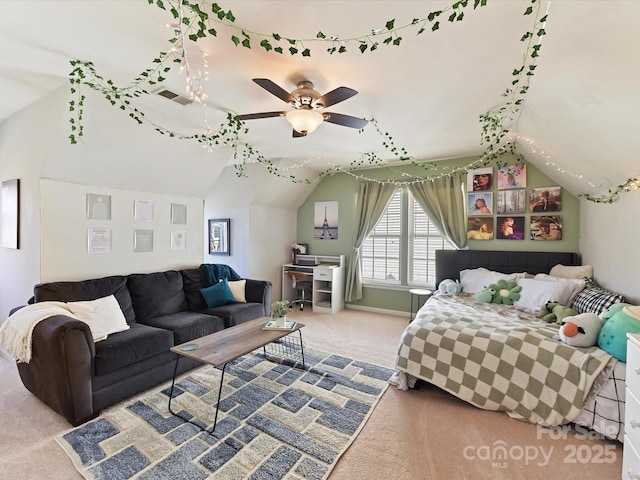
275	421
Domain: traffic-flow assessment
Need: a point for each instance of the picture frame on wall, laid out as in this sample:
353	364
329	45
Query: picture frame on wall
11	214
219	236
325	221
480	203
545	199
510	228
98	206
546	227
480	179
480	228
511	201
512	176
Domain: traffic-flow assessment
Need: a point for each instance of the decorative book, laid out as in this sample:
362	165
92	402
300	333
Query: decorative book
272	325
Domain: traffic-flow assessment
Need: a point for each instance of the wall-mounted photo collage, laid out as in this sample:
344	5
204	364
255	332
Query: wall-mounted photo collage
512	201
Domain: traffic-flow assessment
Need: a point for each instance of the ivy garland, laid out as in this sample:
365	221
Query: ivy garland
200	21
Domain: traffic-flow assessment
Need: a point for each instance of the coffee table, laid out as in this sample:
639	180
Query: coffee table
220	348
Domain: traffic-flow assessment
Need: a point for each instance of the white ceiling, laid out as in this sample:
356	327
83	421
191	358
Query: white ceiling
428	93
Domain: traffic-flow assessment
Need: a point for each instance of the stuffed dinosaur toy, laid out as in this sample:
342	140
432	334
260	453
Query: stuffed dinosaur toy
449	286
580	330
503	291
620	319
554	312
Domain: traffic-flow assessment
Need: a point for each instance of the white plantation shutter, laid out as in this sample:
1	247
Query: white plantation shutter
381	250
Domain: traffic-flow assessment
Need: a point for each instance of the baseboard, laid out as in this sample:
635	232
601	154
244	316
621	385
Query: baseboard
385	311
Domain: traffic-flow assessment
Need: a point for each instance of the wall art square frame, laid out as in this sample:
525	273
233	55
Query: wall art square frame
219	236
11	214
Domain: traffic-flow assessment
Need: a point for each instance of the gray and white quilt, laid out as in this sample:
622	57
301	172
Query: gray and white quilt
500	358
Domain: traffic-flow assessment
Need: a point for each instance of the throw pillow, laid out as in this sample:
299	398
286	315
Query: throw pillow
475	279
237	289
595	299
103	315
218	294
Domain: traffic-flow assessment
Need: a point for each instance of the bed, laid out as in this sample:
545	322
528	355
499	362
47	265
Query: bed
504	358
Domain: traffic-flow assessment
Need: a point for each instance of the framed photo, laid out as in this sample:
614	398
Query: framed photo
178	240
178	214
480	203
143	211
545	199
99	240
511	201
11	214
510	228
480	228
325	221
143	241
219	236
546	227
98	206
480	179
512	176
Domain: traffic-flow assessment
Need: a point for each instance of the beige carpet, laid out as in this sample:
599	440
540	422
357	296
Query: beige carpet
419	434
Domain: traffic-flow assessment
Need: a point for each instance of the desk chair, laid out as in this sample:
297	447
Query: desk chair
302	284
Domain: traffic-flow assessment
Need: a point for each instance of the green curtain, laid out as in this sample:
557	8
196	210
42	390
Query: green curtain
372	200
443	200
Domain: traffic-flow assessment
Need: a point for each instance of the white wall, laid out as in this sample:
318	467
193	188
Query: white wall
65	225
609	239
25	143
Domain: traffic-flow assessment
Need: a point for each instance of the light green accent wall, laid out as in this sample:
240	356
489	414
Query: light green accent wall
343	188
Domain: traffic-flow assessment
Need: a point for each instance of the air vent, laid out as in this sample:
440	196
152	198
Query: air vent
174	97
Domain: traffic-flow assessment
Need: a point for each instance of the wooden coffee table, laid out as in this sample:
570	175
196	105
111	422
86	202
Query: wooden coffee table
220	348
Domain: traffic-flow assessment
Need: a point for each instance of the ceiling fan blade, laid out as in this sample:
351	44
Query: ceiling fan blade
338	95
345	120
253	116
276	90
297	134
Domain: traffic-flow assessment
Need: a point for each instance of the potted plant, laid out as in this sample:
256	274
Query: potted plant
279	312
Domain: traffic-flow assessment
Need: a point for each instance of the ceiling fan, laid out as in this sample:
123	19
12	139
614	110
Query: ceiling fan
306	102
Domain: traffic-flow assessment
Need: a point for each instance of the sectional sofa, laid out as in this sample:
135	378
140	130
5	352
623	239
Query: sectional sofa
78	376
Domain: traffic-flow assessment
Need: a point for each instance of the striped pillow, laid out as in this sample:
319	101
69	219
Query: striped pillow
595	299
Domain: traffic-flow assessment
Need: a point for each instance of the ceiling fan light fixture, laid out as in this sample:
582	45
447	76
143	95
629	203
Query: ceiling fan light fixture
304	121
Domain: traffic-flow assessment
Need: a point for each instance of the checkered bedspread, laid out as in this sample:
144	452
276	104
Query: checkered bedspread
499	358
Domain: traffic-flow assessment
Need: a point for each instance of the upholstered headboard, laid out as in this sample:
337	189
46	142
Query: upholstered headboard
449	263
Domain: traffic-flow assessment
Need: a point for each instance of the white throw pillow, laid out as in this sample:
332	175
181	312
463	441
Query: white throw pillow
103	315
537	292
475	279
565	271
237	289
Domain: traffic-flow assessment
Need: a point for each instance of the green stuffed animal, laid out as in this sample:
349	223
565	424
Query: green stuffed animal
506	292
554	312
486	294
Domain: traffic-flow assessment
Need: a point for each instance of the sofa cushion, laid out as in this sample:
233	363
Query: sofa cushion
194	280
88	290
130	346
156	294
218	294
237	313
187	326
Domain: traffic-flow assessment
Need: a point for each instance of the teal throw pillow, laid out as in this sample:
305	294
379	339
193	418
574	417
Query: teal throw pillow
218	294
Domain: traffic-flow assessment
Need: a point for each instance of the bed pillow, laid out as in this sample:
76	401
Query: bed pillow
565	271
536	292
217	294
595	299
103	315
475	279
237	290
578	284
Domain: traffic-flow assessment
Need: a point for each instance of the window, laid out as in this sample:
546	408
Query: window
403	237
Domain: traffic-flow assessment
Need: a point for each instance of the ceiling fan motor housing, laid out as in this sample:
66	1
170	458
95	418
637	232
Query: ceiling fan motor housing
305	95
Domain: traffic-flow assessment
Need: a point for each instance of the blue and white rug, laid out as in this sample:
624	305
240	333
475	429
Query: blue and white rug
275	421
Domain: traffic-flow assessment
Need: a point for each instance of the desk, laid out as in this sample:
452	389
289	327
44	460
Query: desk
327	276
417	293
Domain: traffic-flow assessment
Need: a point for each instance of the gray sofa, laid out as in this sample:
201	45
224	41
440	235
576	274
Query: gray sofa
78	377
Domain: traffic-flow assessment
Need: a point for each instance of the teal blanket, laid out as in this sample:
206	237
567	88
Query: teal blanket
215	272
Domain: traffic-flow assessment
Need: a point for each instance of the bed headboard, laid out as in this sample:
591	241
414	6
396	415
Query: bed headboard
449	263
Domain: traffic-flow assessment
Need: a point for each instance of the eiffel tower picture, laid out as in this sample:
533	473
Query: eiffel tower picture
326	221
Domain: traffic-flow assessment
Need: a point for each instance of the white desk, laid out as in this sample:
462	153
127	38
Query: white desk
327	275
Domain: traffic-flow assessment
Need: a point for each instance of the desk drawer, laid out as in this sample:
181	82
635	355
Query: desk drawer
322	274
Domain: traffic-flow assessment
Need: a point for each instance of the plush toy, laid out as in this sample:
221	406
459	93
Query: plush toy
449	286
554	312
581	330
506	292
486	294
620	319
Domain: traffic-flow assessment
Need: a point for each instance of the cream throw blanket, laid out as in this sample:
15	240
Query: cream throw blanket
16	332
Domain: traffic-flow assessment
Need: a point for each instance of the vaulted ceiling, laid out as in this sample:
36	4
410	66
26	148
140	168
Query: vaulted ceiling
578	121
